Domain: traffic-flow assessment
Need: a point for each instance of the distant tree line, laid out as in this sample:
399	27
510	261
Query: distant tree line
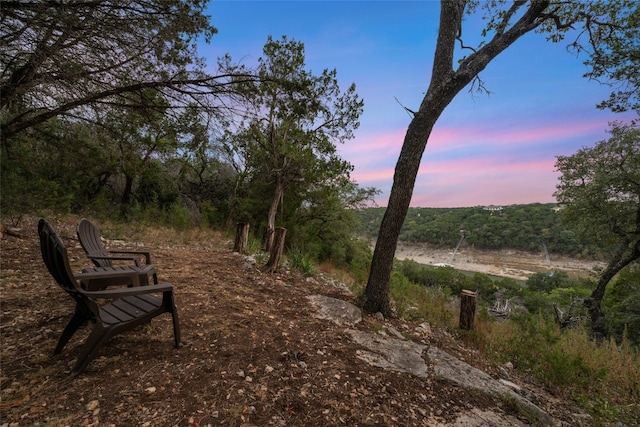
520	227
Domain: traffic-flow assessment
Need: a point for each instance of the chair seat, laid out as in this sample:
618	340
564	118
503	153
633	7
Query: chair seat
103	277
129	309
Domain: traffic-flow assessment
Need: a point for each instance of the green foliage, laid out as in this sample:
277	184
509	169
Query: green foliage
602	378
358	259
542	290
452	281
546	282
285	144
53	170
432	276
520	227
54	63
209	214
413	301
621	305
254	248
300	261
599	187
612	55
536	346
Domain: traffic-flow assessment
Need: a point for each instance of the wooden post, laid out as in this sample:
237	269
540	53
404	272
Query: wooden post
276	250
467	310
242	237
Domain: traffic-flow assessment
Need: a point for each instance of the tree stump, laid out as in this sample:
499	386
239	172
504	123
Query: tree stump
467	310
242	237
276	250
267	244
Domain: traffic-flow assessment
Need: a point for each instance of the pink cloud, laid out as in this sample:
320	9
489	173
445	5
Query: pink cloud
368	177
476	165
443	139
526	187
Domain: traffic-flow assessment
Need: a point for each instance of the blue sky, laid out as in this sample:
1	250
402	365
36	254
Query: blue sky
498	149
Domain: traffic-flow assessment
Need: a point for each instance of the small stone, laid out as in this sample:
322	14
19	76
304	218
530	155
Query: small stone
91	406
503	372
393	331
150	390
425	328
511	385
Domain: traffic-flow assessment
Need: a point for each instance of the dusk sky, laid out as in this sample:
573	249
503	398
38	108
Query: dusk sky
498	149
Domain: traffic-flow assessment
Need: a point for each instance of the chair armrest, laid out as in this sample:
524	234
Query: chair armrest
88	276
147	254
115	258
125	292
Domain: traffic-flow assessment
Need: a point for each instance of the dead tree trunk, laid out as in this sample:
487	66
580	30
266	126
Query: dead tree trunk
467	310
276	250
242	237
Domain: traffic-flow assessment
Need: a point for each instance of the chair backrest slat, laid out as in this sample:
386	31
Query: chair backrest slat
89	237
54	255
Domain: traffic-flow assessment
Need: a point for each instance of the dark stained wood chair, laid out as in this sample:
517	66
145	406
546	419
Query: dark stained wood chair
91	242
126	307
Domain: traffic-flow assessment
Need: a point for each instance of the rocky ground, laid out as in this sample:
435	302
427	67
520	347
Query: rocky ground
256	353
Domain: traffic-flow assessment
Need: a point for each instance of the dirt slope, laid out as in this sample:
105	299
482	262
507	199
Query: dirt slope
254	354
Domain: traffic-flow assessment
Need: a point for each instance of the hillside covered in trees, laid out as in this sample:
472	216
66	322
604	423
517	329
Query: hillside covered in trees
521	227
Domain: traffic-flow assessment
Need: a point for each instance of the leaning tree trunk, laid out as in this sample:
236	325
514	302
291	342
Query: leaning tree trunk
377	290
594	303
445	85
271	217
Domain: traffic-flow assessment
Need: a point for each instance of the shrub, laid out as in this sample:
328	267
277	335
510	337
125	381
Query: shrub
301	262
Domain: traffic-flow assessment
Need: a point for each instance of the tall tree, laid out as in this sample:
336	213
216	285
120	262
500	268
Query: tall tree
67	59
600	188
136	137
288	137
451	72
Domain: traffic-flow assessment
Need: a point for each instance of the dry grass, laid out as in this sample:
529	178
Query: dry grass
603	378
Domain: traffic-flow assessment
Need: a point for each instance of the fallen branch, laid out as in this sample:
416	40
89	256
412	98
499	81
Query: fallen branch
15	232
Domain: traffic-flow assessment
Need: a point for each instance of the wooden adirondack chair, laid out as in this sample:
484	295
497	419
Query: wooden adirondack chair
91	242
128	307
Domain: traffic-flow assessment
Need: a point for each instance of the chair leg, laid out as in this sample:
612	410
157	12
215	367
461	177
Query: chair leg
176	328
98	336
170	306
77	320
